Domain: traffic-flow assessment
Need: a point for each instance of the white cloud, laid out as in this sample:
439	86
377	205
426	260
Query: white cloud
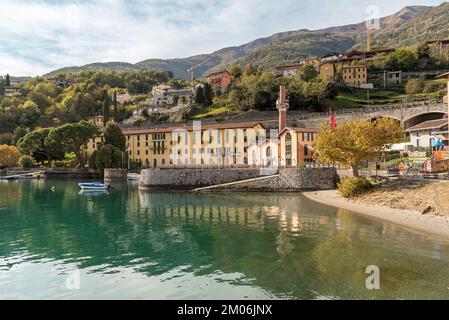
39	36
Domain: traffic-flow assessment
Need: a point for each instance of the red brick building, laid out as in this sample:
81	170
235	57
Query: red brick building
221	80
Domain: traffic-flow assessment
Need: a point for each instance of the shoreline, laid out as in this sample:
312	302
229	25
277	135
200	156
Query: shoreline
429	224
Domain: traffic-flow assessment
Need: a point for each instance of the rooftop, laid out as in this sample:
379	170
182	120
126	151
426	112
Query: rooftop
429	125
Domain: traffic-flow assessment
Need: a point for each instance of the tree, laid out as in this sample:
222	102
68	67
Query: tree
72	137
7	81
308	73
9	156
26	162
415	86
5	138
114	136
247	70
34	144
115	106
199	95
235	70
17	134
354	142
402	59
29	114
106	103
107	157
208	95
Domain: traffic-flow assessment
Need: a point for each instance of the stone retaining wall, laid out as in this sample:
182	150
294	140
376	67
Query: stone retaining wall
192	178
115	174
288	179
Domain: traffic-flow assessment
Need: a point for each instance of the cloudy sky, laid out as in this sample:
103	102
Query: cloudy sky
38	36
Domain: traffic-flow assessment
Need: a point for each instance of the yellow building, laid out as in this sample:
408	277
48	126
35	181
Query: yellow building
196	145
355	75
296	146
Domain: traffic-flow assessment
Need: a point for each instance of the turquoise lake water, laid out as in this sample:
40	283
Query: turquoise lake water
128	244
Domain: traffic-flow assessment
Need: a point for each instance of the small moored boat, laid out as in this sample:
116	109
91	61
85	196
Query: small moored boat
94	186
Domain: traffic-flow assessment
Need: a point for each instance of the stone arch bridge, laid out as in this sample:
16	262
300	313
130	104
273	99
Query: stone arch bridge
408	115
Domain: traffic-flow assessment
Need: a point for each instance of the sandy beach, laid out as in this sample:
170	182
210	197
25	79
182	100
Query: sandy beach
415	219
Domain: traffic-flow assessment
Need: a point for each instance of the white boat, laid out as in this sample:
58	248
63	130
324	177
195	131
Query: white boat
133	176
94	186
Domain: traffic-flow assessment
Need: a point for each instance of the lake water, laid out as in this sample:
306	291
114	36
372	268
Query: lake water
127	244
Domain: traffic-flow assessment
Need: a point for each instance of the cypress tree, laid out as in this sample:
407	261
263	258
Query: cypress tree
7	81
115	107
106	109
199	95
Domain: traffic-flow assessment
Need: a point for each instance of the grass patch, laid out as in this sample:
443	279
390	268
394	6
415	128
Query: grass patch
210	112
358	98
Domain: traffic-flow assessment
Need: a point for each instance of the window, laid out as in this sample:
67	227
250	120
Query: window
268	155
288	150
227	136
306	150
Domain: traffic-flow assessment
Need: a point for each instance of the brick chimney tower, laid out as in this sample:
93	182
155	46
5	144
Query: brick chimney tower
282	105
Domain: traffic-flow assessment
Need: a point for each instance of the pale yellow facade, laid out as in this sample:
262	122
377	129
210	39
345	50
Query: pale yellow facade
196	145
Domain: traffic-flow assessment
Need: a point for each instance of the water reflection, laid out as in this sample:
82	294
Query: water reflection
186	245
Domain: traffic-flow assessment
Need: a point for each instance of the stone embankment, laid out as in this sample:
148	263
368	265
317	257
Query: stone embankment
235	180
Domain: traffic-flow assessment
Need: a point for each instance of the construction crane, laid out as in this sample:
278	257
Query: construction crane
191	71
368	40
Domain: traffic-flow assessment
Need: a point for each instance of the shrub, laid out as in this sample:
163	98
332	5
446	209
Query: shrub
352	187
414	86
26	162
434	87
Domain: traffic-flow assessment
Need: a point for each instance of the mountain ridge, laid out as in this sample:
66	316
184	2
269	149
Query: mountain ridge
276	49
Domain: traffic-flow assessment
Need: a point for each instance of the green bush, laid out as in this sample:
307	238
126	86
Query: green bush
26	162
352	187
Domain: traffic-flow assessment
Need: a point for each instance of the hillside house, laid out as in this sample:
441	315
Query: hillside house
394	77
12	91
438	43
354	76
220	80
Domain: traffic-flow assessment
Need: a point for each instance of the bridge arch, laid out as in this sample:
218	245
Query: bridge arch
423	117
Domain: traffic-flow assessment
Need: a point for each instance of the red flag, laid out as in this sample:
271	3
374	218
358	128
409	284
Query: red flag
333	120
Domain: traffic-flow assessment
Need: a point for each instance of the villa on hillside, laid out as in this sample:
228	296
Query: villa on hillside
12	91
220	80
165	95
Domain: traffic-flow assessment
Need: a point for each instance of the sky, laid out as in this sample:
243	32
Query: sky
38	36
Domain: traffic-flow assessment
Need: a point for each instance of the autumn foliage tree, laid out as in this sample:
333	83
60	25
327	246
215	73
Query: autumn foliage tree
9	156
354	142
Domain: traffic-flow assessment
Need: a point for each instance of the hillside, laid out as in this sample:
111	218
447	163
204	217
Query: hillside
431	24
289	47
